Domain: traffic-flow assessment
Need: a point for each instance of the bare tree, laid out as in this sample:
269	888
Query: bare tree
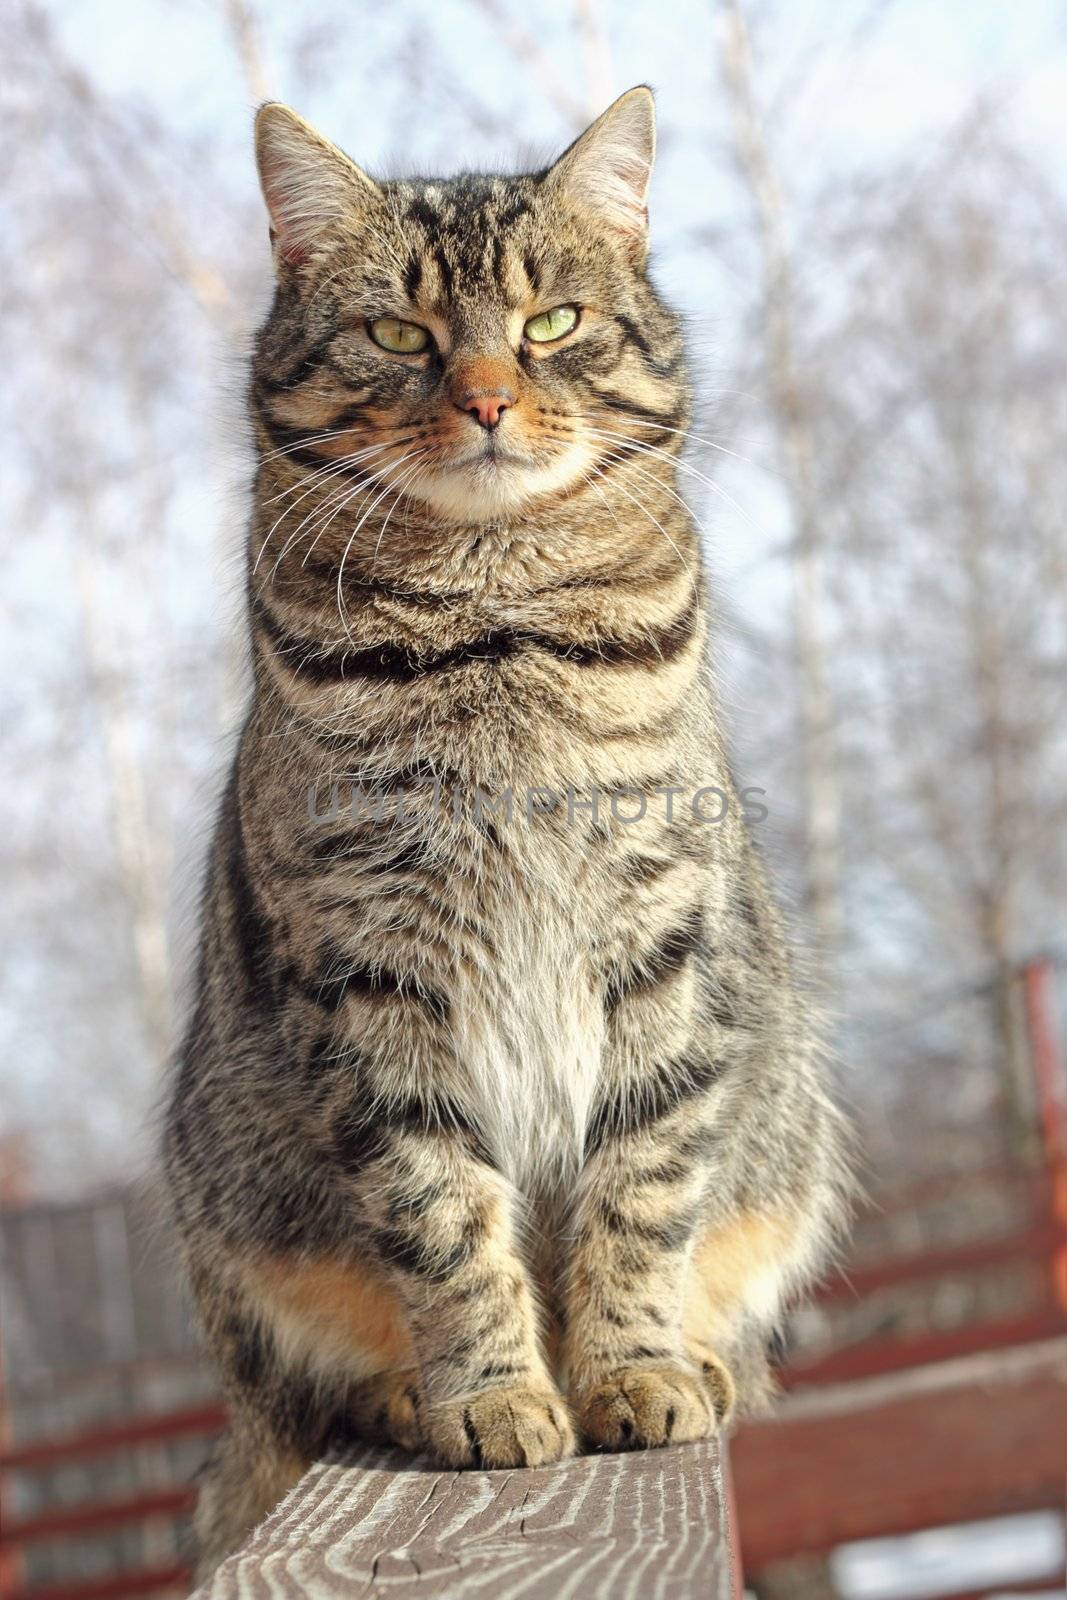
947	566
789	400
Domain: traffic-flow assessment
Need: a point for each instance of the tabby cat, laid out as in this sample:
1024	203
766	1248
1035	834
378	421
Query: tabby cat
498	1128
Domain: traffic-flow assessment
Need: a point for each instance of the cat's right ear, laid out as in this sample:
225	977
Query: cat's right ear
310	186
606	171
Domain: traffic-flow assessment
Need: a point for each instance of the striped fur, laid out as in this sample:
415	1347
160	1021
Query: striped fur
497	1128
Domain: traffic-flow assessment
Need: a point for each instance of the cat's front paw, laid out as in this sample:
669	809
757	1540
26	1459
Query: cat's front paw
640	1408
522	1426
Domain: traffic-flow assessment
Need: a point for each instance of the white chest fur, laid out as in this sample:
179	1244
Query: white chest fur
530	1031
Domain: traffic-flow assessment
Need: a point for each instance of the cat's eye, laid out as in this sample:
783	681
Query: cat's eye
552	324
402	338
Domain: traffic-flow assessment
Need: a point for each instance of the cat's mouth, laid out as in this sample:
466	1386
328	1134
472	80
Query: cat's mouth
488	455
485	478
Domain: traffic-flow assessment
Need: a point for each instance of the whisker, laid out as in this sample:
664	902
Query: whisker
351	538
650	477
317	480
310	438
613	483
640	446
331	465
411	477
334	498
687	433
334	507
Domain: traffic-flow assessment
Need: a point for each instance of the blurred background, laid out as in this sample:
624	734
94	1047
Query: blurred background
861	207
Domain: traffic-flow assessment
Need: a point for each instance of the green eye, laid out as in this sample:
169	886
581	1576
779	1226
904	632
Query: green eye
403	338
551	324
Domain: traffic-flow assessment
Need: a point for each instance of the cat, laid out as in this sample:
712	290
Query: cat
499	1128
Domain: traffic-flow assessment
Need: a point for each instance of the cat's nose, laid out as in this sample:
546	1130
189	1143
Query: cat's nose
488	408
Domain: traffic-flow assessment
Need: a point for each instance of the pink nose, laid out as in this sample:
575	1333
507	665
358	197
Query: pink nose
488	408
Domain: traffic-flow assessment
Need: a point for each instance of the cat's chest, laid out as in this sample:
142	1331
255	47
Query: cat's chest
530	1025
512	908
530	1028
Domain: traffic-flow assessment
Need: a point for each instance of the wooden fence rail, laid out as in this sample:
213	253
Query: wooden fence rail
975	1438
170	1579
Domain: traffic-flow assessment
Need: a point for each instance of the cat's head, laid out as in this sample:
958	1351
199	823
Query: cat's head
478	341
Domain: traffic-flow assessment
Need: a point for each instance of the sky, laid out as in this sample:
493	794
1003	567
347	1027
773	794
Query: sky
930	56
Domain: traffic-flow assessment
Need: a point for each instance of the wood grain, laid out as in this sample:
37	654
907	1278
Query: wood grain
647	1526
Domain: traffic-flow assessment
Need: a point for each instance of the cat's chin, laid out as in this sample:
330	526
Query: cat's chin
485	489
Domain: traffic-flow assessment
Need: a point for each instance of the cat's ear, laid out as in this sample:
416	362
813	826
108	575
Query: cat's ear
607	169
309	185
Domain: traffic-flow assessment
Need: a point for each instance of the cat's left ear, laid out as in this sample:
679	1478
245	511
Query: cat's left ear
310	186
606	171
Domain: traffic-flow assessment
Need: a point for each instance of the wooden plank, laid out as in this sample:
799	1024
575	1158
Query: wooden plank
867	1277
113	1586
976	1438
872	1358
96	1516
648	1526
143	1429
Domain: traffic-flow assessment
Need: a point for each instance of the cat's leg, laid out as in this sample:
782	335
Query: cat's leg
642	1200
250	1471
433	1323
445	1230
632	1373
712	1181
672	1295
688	1237
689	1234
